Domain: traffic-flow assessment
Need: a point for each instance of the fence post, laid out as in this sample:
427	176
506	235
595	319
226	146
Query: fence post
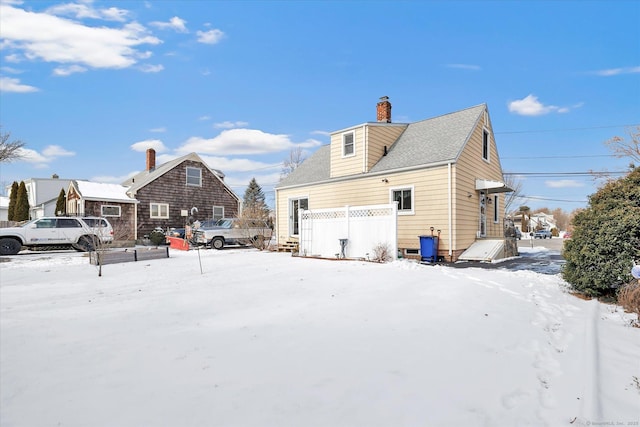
394	222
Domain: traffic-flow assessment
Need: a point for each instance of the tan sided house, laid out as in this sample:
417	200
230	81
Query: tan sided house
443	172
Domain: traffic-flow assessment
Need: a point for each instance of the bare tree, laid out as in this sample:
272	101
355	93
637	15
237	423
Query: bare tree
563	219
291	163
10	150
626	147
516	185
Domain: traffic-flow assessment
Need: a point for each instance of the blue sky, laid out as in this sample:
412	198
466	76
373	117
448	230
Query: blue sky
90	85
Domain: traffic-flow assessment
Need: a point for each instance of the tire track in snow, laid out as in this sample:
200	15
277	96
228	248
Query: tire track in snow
591	408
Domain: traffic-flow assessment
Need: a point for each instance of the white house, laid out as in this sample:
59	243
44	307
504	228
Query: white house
43	194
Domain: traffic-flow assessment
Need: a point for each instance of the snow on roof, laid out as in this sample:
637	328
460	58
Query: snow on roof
103	191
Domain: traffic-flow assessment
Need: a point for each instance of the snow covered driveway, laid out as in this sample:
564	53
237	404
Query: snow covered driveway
265	339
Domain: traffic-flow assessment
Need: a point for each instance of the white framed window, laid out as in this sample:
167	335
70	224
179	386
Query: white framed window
485	145
159	210
194	177
403	196
110	210
348	144
218	212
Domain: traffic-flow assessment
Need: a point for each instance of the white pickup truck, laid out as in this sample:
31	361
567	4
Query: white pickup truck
233	231
83	234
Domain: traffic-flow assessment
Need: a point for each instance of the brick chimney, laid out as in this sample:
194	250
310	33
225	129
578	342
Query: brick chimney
384	110
151	159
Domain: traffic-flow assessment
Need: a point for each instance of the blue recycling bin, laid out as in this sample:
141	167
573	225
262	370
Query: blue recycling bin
429	248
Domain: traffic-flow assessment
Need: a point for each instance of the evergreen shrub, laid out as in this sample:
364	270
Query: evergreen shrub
605	239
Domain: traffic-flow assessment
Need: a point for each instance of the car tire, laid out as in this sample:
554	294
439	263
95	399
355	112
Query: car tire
9	246
85	244
217	243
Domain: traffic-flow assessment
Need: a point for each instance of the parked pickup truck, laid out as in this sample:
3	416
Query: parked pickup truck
83	234
233	231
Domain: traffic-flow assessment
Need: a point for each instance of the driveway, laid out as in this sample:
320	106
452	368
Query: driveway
539	255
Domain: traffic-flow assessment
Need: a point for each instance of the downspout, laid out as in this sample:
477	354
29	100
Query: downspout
450	208
135	222
276	224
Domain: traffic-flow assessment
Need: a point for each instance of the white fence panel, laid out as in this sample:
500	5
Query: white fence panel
364	227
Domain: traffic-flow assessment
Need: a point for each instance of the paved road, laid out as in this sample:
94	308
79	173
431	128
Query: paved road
554	244
541	261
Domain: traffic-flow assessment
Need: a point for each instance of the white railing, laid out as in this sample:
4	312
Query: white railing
364	227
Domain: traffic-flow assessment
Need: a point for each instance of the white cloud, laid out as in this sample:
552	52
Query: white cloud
320	132
8	84
142	146
67	71
71	42
109	179
53	151
84	10
616	71
470	67
11	70
239	182
530	106
32	156
564	183
243	141
204	118
230	125
148	68
210	37
175	24
226	164
14	57
158	130
48	154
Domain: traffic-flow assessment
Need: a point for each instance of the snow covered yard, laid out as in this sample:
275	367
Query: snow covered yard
265	339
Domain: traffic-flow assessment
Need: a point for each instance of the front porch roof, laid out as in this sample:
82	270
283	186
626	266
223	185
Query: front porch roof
492	186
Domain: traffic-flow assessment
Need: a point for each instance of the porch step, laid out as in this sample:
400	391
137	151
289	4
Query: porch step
288	246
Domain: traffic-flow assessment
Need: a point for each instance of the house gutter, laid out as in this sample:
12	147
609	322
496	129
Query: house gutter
450	208
368	175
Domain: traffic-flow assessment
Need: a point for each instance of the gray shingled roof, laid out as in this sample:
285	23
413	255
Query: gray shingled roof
315	168
431	141
436	140
145	177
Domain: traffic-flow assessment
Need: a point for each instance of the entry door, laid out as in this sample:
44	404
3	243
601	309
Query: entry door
483	214
294	206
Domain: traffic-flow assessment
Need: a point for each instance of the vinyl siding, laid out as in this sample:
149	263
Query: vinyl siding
352	165
469	167
429	199
379	137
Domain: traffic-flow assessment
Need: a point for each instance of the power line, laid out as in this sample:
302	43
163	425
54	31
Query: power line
558	174
550	200
559	157
563	130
